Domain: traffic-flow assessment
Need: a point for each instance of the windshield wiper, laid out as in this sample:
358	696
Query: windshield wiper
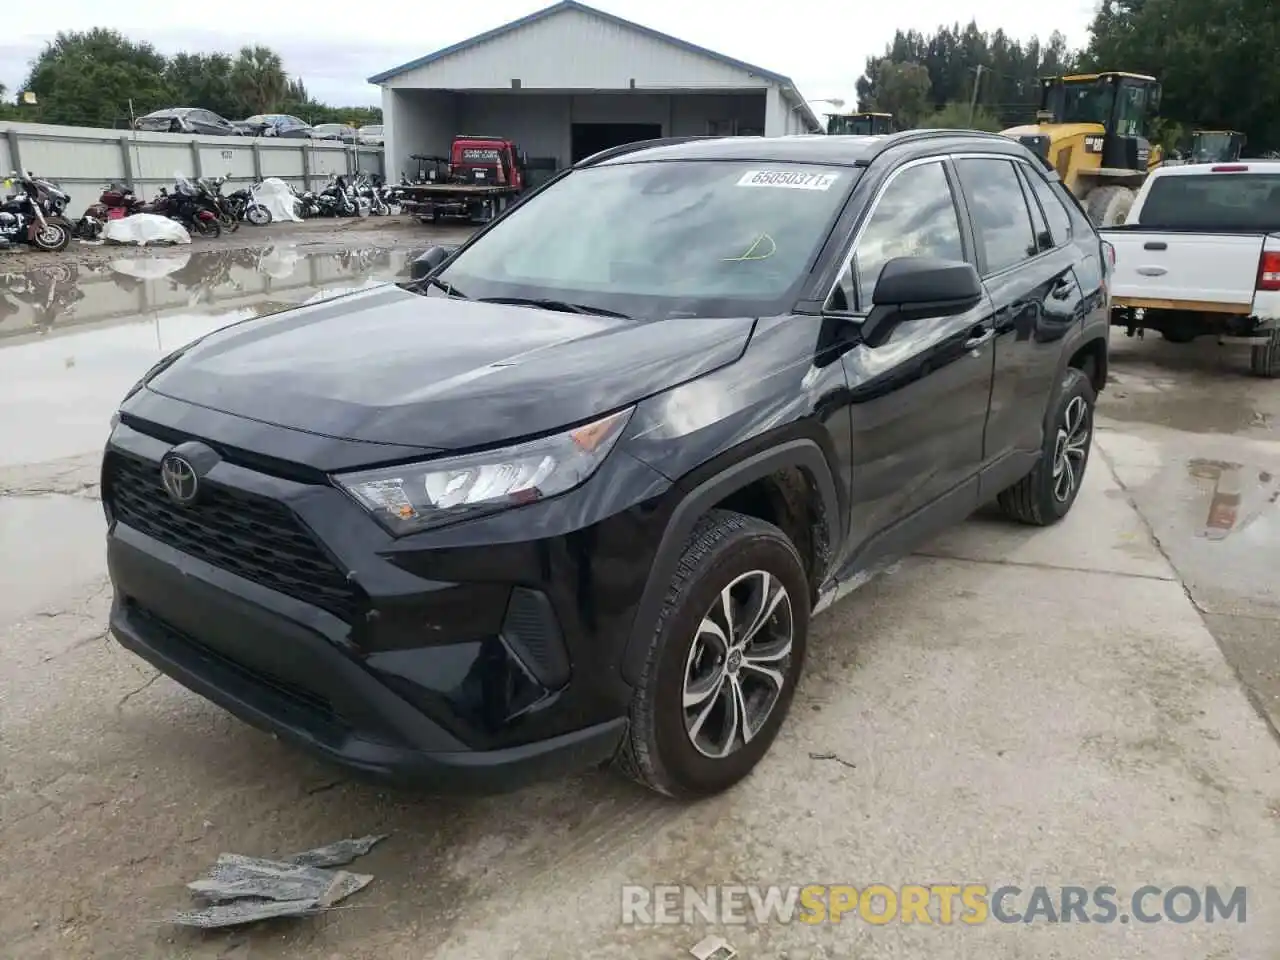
447	287
561	305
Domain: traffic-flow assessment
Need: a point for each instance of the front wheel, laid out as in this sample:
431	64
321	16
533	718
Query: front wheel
52	237
723	660
1045	495
258	215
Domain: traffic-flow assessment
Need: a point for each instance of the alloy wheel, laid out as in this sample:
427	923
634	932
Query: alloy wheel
1071	449
738	664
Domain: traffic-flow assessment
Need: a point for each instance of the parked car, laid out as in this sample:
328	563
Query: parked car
372	135
186	120
274	125
334	131
526	513
1199	255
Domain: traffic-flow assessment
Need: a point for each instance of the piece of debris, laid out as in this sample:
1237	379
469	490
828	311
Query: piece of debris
832	756
240	889
713	948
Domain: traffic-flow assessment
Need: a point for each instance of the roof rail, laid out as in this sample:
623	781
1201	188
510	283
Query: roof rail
623	149
914	136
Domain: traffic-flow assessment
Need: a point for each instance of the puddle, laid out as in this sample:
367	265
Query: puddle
75	337
46	544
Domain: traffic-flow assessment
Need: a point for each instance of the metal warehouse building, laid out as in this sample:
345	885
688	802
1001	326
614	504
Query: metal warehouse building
570	80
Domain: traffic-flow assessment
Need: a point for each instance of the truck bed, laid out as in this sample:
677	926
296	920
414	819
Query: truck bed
428	191
1187	270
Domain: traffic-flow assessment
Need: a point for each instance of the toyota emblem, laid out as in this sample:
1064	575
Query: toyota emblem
179	479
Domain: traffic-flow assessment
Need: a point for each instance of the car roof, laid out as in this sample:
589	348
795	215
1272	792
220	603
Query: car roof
810	148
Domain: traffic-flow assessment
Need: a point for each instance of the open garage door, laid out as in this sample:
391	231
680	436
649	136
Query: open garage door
589	138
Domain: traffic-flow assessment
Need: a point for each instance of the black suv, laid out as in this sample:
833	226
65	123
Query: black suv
573	494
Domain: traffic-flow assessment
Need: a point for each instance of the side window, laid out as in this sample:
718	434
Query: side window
1054	211
999	212
914	217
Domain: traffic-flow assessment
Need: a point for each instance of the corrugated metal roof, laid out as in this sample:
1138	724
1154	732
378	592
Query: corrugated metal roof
566	5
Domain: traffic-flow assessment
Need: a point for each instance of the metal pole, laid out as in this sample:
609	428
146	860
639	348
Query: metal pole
973	102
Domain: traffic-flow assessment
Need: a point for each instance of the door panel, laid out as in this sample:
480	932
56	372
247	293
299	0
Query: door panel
1036	305
919	405
919	400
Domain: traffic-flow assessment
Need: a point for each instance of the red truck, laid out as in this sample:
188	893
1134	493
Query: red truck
476	182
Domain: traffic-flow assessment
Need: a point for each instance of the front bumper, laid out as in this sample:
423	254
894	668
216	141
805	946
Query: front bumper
463	660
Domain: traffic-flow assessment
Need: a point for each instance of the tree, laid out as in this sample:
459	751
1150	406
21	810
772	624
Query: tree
204	80
90	78
955	116
259	79
1215	59
1010	85
902	89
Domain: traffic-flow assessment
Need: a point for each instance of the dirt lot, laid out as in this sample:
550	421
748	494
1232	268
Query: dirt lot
1081	705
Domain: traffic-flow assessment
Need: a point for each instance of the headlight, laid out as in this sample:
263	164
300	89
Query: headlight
417	496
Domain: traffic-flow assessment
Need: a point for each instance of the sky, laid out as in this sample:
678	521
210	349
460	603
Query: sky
335	49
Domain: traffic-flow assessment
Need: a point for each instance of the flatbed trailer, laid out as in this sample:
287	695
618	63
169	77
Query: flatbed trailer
431	202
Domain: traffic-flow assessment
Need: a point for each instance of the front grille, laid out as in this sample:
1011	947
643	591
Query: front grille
245	534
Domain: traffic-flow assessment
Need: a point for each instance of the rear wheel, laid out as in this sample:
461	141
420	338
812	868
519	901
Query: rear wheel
207	228
1109	205
723	660
1264	358
1045	495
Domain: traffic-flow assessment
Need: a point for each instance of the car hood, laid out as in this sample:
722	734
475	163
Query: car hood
390	366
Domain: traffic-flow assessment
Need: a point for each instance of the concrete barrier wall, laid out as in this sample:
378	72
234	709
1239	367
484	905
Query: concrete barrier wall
84	159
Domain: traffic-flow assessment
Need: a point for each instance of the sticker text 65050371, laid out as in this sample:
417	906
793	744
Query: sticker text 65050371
788	179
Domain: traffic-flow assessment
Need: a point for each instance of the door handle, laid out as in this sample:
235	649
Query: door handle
978	336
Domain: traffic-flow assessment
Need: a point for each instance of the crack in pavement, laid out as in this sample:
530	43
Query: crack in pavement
137	690
1046	566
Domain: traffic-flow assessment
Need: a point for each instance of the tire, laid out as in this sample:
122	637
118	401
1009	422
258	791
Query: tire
1042	497
1178	335
685	658
1264	358
54	237
1109	205
207	228
257	214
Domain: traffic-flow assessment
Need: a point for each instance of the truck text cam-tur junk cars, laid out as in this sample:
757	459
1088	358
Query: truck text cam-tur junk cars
573	494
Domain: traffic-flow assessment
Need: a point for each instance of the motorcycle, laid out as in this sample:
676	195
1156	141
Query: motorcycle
210	189
368	191
335	200
115	203
34	215
191	206
244	205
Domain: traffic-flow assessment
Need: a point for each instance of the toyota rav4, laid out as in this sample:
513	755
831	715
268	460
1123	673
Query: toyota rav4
572	494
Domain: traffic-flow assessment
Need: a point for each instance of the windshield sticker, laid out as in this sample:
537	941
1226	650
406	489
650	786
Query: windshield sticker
788	179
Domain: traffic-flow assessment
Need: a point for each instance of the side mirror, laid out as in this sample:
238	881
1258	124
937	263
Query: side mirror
913	288
427	262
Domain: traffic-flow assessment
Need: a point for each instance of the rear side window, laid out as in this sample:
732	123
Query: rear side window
1054	211
1213	201
999	211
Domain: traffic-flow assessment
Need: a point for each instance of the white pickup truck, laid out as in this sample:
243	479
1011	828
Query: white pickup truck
1199	254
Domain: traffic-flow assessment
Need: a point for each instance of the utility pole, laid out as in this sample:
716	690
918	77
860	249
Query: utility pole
973	101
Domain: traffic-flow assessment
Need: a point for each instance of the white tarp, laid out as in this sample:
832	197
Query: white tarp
143	228
274	194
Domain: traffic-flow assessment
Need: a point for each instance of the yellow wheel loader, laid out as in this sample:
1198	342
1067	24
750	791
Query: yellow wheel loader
864	124
1093	128
1216	146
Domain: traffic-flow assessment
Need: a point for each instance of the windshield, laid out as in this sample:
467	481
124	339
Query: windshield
656	239
1213	146
1087	102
